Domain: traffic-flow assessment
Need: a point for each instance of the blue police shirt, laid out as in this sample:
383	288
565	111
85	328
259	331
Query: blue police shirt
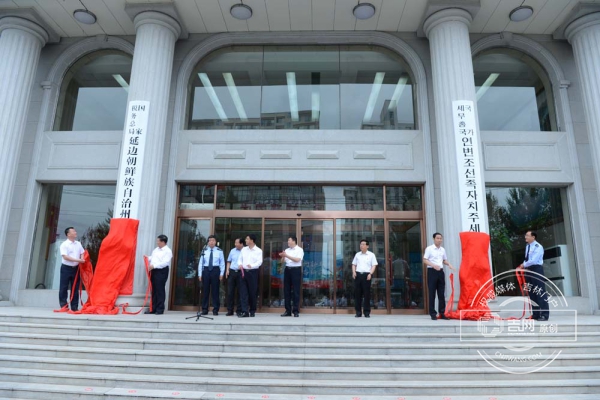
218	260
234	254
536	254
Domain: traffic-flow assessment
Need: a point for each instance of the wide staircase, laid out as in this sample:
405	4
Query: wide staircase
44	355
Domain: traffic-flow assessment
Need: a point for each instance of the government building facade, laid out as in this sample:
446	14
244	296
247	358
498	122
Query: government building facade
327	120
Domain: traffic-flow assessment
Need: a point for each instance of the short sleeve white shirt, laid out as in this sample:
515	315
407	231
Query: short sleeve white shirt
435	255
72	249
296	252
364	261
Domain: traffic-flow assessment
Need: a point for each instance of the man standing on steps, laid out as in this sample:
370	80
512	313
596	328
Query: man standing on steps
435	259
211	269
72	255
534	275
363	268
234	278
159	261
292	276
250	260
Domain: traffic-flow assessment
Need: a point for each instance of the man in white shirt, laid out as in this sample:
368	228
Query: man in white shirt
292	276
435	259
250	260
72	255
363	268
234	277
160	260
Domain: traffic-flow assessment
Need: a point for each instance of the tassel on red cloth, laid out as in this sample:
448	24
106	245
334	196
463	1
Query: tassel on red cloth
115	268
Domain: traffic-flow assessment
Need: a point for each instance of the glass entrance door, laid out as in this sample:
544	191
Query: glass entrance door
405	259
191	237
276	234
318	290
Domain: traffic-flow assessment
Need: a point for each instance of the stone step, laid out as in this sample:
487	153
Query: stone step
271	322
44	391
204	370
456	347
306	387
265	336
472	359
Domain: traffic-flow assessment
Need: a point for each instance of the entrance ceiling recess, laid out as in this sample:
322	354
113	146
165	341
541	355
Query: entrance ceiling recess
214	16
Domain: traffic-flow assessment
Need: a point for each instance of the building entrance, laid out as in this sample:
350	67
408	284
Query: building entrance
329	233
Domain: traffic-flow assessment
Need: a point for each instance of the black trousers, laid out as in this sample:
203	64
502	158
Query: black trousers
158	278
436	283
67	276
292	276
234	282
539	306
249	290
362	293
210	283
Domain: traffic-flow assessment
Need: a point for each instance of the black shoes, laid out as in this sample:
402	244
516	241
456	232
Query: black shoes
357	316
367	315
243	315
215	313
442	316
229	313
204	312
296	314
434	317
541	319
149	312
252	315
286	314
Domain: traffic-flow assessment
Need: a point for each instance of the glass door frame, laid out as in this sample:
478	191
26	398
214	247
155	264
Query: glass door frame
174	261
299	215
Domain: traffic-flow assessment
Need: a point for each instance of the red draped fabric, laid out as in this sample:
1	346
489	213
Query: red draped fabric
115	268
475	278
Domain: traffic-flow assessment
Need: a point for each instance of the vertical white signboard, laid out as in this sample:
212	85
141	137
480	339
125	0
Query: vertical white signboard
129	182
468	158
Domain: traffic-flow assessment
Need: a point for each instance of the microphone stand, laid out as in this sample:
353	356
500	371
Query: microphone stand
199	312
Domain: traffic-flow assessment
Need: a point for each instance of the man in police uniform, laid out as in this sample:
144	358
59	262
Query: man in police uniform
234	277
363	268
292	276
211	269
534	275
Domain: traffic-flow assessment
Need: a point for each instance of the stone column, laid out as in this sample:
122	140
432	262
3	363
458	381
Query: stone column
452	71
156	34
21	42
584	36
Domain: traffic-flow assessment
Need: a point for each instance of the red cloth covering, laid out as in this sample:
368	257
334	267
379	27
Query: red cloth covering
85	272
115	268
475	278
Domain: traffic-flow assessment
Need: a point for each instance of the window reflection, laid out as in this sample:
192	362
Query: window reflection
301	87
93	94
514	211
513	92
86	208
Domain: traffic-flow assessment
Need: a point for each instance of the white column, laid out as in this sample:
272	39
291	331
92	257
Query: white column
21	42
156	34
452	70
584	36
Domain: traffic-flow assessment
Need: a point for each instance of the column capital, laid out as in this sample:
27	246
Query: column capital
581	24
24	25
447	15
157	18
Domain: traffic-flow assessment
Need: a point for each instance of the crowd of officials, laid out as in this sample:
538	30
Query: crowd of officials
241	270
